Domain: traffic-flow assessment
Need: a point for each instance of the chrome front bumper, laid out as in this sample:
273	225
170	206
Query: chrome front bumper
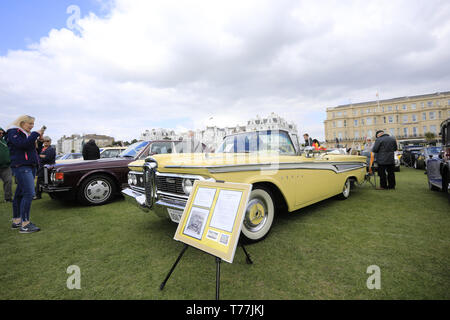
161	207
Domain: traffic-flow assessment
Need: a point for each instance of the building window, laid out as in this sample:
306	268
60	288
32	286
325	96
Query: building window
405	118
430	103
405	132
433	129
339	124
414	118
355	122
391	119
392	131
414	131
413	106
356	134
382	108
424	129
440	114
432	115
368	121
384	119
345	123
424	116
404	107
422	104
334	124
389	108
369	133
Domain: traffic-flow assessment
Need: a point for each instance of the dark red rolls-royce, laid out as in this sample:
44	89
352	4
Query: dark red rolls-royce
95	182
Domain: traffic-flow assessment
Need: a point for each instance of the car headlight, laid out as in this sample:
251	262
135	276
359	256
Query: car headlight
187	186
132	179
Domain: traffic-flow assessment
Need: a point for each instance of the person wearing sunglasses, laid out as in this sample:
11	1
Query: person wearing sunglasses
21	142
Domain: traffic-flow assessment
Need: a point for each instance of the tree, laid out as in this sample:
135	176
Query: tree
430	136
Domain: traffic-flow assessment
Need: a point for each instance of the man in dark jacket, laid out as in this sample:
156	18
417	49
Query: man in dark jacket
308	140
91	151
384	147
47	155
5	169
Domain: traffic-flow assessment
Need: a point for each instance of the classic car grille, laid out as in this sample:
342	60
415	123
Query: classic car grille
169	184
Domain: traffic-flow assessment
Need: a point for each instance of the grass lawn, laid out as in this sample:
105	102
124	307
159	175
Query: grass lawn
320	252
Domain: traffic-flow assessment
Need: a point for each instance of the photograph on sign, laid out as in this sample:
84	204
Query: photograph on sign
225	211
196	222
213	235
204	197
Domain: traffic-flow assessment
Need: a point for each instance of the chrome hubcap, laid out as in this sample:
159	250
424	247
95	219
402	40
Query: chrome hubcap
97	191
255	214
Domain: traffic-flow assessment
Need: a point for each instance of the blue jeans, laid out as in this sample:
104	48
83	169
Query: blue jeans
24	192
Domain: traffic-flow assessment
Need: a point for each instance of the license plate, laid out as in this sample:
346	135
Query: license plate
175	215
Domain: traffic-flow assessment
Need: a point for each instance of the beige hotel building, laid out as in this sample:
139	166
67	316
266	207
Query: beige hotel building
404	117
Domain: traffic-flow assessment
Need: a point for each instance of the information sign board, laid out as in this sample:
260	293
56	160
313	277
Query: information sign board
212	218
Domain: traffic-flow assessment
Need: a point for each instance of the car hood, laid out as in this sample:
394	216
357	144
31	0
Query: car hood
92	164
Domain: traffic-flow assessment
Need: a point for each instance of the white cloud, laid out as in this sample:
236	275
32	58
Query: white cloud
177	63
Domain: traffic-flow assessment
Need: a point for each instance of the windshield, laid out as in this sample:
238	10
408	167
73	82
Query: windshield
277	141
134	149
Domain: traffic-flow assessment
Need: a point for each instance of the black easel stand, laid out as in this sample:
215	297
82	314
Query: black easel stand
173	267
218	261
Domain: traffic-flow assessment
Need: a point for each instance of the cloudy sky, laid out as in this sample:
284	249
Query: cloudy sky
120	67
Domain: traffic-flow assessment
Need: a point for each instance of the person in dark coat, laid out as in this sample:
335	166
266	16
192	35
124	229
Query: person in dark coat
47	155
384	147
24	162
91	151
308	140
5	167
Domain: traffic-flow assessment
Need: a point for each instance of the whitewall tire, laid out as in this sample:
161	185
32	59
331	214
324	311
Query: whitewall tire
259	215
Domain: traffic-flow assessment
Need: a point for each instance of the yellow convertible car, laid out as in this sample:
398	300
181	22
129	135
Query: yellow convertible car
281	177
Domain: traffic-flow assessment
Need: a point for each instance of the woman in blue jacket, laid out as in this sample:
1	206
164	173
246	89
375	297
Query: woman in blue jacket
24	162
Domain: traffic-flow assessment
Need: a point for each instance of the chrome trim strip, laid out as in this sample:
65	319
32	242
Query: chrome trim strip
333	166
176	175
45	175
176	195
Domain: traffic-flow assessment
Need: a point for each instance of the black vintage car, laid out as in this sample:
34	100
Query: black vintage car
95	182
410	154
438	169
